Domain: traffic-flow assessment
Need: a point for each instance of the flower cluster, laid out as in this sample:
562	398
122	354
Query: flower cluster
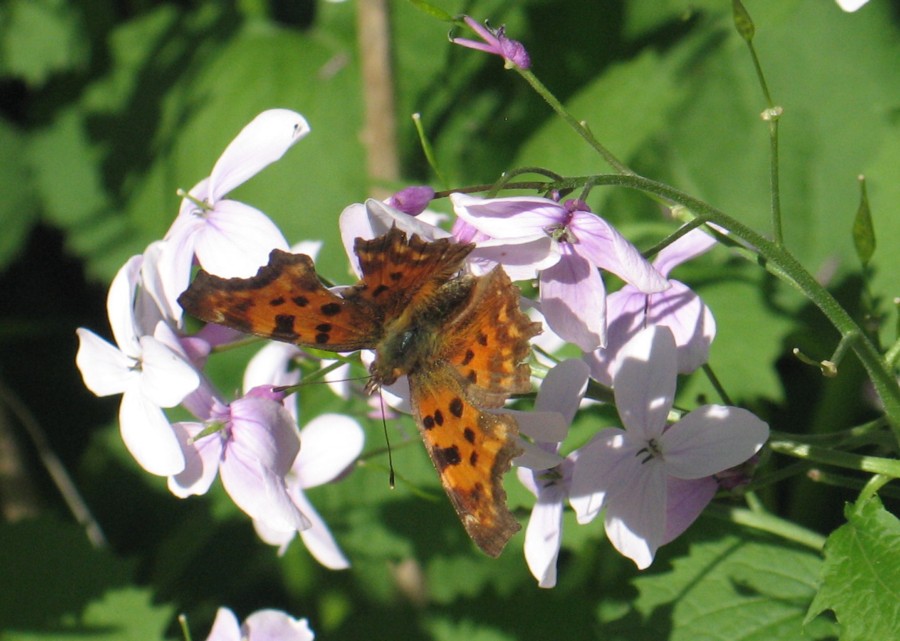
650	478
251	442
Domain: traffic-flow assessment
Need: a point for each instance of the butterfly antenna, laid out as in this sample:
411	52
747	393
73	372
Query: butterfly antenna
387	440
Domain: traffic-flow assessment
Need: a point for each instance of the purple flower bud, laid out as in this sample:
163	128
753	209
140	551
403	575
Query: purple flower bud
412	200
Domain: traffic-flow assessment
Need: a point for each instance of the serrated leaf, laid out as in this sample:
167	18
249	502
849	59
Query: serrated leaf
731	584
861	575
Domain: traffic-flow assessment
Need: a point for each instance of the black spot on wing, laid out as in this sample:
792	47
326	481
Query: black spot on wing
284	326
446	456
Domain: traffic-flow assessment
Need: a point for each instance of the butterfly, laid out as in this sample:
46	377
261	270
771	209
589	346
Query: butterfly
461	340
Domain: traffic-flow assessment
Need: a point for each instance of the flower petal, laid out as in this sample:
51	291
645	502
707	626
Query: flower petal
601	244
166	378
691	245
599	465
644	382
573	301
120	306
317	537
201	460
534	457
225	627
104	368
263	141
148	435
685	500
544	534
511	217
275	625
710	439
328	445
236	240
522	258
635	520
563	388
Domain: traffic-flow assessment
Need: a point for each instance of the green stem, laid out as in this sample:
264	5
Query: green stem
789	269
768	523
578	127
847	460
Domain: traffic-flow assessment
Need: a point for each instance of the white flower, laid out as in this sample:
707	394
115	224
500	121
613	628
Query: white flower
229	238
150	371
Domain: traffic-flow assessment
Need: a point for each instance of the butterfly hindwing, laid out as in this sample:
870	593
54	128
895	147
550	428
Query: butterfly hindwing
488	341
471	450
285	301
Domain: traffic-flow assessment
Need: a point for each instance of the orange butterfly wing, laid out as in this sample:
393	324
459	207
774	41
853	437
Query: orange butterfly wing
286	301
470	341
489	341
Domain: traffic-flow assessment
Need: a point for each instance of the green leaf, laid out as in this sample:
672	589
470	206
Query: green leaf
861	575
431	10
18	210
742	20
731	584
863	231
39	38
56	586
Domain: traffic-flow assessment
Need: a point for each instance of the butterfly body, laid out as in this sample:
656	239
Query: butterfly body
461	340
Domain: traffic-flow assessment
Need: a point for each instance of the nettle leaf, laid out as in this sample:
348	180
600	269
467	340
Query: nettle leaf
731	584
861	575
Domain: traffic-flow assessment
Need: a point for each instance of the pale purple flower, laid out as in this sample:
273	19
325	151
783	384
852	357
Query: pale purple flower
330	443
147	365
572	294
560	393
680	309
411	200
226	237
252	443
262	625
495	42
522	257
651	477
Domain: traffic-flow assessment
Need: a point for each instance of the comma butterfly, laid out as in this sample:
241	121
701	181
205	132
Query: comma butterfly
461	339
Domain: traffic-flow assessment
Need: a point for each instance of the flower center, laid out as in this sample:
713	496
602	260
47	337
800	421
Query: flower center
561	233
650	452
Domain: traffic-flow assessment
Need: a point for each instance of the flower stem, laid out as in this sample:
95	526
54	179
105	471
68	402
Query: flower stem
848	460
580	128
785	266
767	522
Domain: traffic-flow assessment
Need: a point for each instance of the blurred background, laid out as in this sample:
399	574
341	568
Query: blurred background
107	108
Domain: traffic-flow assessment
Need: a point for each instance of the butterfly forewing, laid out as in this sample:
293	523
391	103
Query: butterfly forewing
398	273
285	301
